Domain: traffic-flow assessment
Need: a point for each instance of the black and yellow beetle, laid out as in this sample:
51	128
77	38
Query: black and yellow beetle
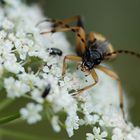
92	48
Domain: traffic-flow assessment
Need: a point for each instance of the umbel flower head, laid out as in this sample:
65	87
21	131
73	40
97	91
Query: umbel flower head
27	69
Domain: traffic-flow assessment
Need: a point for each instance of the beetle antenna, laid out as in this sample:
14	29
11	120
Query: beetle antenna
124	52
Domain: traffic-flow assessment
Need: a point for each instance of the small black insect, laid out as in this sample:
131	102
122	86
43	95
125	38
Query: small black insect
46	91
55	51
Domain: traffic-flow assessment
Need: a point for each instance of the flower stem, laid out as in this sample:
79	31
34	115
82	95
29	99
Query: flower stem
5	103
19	135
10	118
22	136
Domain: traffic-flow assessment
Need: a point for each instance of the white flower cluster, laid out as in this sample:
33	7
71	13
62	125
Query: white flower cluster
27	69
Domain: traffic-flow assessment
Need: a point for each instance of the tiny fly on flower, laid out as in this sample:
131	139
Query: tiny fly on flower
92	48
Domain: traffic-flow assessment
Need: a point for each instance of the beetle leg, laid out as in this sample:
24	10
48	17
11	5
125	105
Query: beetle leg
69	57
69	20
62	26
116	77
95	77
58	23
80	37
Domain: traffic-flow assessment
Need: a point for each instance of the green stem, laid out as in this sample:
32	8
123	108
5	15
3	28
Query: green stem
23	136
19	135
5	103
10	118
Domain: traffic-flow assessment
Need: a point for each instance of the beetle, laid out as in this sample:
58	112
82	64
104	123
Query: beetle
54	51
92	48
46	91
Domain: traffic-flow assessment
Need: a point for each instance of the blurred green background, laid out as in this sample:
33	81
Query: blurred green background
119	21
